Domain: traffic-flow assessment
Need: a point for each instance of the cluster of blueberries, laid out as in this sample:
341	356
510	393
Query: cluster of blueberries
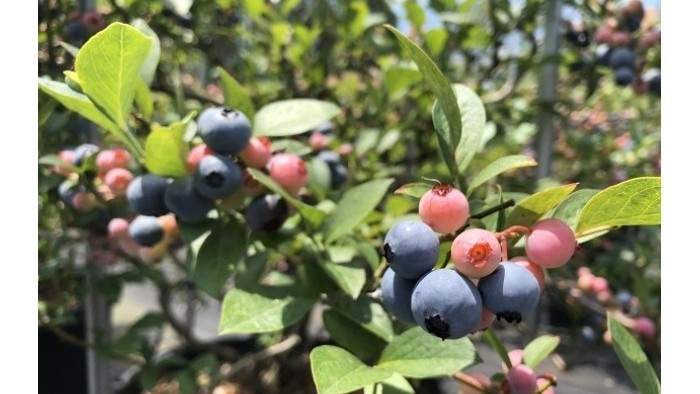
217	180
622	46
451	303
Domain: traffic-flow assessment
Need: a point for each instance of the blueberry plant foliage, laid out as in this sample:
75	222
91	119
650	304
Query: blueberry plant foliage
329	235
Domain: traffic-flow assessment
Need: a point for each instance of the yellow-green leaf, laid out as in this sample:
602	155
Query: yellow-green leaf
498	167
336	371
108	66
531	208
295	116
235	96
166	149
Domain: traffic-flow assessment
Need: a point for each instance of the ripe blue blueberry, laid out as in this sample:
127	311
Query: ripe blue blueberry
339	173
446	304
396	293
266	213
224	130
146	230
217	176
624	76
67	189
621	58
146	195
84	151
411	248
510	292
184	201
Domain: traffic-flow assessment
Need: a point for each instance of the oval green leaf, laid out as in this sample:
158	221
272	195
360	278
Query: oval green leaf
416	189
295	116
166	149
635	202
260	311
350	277
570	209
369	314
633	359
531	208
350	335
498	167
217	257
537	350
417	354
235	96
473	121
336	371
353	207
108	66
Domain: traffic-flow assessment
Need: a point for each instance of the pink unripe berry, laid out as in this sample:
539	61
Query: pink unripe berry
118	228
599	284
345	149
318	140
444	208
536	270
129	246
257	153
522	380
476	252
550	244
196	155
621	38
289	171
585	282
83	201
67	156
645	327
118	180
112	158
516	357
604	34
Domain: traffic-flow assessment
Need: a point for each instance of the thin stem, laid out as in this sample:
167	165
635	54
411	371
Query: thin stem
494	209
469	381
497	345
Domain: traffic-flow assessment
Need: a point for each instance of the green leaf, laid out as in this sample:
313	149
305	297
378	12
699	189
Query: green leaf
350	277
166	149
108	66
350	335
295	116
313	215
260	311
148	69
336	371
72	50
415	14
416	189
570	209
291	146
81	104
435	40
398	79
496	345
235	96
144	100
633	359
73	81
396	384
473	123
369	314
498	167
531	208
417	354
539	349
438	84
635	202
353	207
54	160
217	258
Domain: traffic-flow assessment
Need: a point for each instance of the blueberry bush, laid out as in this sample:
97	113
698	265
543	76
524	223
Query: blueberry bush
356	194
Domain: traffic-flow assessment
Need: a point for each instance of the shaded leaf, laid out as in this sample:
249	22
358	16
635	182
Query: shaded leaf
262	310
633	359
369	314
350	335
350	277
498	167
570	209
144	100
417	354
353	207
336	371
217	257
396	384
295	116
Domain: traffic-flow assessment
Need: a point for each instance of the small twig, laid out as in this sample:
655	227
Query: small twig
73	340
470	381
269	352
494	209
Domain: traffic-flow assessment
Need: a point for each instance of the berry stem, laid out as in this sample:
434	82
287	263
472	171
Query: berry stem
494	209
469	381
551	381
